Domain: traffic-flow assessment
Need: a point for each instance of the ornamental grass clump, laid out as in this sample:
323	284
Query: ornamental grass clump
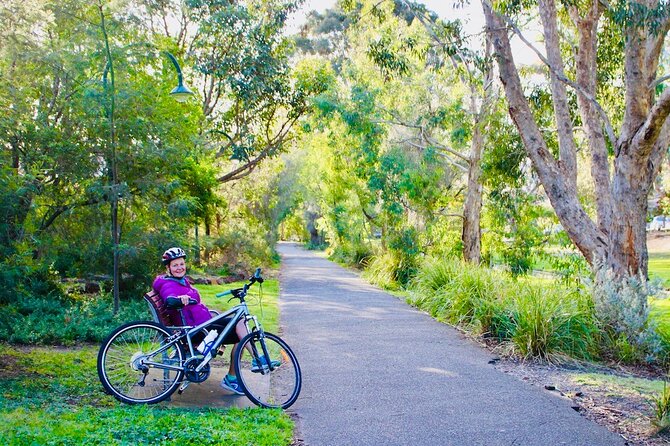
552	322
477	296
660	404
460	293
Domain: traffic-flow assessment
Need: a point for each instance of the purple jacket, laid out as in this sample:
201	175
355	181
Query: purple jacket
167	286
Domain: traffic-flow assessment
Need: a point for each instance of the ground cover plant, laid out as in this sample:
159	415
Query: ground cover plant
532	317
52	396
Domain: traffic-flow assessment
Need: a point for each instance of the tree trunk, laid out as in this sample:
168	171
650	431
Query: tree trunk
627	251
616	244
471	235
314	237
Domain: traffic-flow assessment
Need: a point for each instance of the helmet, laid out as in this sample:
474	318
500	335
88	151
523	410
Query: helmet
171	254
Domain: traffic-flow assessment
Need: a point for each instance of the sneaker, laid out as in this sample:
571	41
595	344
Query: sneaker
256	367
232	385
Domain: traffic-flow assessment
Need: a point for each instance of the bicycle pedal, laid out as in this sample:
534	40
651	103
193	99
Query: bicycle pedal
183	387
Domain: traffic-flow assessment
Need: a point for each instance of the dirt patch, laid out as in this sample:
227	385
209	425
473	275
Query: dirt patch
658	242
617	398
9	367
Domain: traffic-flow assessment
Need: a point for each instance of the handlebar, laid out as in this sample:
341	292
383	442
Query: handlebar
241	292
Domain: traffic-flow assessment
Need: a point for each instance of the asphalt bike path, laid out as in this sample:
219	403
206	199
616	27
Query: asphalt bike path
376	371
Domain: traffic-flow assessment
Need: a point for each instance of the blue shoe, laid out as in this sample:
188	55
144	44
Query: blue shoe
256	367
230	383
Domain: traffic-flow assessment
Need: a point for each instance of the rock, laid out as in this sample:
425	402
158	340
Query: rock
91	287
550	387
198	280
235	277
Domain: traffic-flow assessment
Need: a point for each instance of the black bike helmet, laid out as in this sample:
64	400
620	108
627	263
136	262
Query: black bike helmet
171	254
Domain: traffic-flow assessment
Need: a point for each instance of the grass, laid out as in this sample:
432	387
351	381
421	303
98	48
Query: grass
659	267
51	395
261	300
620	385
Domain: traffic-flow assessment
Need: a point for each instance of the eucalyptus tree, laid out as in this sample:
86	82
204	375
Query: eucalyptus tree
54	136
380	178
614	55
251	97
444	49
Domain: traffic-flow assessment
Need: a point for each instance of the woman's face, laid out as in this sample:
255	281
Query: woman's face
177	268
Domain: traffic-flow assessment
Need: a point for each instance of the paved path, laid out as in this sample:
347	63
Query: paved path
378	372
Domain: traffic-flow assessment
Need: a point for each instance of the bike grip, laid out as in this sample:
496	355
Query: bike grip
257	274
224	293
192	301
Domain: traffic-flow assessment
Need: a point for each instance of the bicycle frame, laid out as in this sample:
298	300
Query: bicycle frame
240	312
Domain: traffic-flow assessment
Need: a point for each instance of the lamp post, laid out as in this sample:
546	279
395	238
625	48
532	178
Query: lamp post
181	93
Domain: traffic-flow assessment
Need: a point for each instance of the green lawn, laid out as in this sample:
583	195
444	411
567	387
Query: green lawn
53	396
659	267
262	300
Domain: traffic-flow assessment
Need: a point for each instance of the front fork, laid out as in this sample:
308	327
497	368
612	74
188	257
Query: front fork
256	326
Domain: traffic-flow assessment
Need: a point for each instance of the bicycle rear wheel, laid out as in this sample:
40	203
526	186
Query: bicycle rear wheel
271	382
123	366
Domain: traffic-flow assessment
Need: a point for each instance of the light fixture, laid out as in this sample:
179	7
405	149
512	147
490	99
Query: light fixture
181	92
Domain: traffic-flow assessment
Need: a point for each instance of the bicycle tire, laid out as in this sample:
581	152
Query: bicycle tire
120	363
277	388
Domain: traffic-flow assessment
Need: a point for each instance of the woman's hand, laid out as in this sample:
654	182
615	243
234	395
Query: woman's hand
184	299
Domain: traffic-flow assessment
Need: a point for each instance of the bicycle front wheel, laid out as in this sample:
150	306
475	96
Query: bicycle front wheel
268	370
130	360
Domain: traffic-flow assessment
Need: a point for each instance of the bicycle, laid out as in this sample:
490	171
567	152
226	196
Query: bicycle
144	362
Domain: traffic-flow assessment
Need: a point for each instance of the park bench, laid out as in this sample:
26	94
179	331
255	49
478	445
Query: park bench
160	313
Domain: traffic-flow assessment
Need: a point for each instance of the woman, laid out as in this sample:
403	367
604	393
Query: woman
174	285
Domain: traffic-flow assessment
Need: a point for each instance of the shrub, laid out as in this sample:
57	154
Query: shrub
390	270
66	321
661	407
623	314
540	321
352	254
381	270
549	322
461	293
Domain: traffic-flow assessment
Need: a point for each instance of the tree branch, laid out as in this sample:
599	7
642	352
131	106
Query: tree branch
647	135
603	116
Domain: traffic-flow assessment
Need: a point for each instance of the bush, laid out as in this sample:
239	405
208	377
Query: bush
65	321
352	254
539	321
461	293
623	315
549	322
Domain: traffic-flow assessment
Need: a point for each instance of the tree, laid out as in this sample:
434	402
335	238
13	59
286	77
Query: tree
623	165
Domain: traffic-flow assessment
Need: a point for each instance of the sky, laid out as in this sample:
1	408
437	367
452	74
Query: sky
471	16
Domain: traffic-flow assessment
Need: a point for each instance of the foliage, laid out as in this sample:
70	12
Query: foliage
65	321
53	396
623	312
537	320
550	322
661	407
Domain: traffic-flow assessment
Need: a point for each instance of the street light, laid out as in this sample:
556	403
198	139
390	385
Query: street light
181	93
